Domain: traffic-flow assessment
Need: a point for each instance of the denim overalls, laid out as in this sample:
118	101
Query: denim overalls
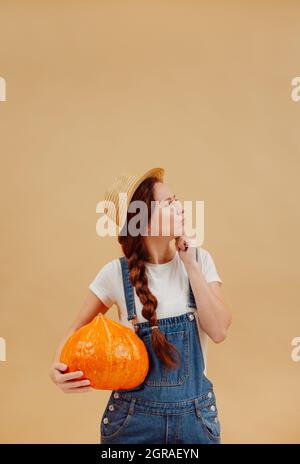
169	406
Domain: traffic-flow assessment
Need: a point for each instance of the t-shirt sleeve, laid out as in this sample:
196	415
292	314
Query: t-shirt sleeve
103	284
208	267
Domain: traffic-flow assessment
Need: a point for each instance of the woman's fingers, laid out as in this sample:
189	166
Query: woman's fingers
69	376
79	383
60	366
78	390
184	242
66	382
181	243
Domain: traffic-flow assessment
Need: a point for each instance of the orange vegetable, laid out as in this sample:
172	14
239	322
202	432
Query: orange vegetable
109	354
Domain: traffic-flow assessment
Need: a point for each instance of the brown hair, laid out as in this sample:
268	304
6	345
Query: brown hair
135	250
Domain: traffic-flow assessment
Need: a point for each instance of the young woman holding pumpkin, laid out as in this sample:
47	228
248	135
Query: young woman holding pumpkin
172	299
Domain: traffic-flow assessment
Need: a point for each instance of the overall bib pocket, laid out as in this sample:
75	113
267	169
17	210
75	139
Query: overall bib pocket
159	375
115	419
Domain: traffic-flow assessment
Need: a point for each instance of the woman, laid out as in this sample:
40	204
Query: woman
169	297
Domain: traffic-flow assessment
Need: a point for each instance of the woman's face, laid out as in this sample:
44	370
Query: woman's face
167	217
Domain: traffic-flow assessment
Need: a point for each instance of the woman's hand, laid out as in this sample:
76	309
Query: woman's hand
186	247
67	382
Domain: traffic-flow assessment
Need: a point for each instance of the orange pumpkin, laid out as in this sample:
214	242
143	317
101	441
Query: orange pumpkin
109	354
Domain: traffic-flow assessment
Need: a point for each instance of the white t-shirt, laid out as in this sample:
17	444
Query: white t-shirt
167	281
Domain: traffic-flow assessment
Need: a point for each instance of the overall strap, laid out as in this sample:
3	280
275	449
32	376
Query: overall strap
191	298
128	291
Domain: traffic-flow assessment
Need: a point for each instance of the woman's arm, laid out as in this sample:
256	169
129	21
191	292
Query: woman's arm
214	316
91	306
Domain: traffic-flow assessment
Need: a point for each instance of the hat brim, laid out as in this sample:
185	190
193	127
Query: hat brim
157	172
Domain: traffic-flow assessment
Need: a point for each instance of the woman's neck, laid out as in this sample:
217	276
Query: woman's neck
160	252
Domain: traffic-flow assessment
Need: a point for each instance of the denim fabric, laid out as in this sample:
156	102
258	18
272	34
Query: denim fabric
169	406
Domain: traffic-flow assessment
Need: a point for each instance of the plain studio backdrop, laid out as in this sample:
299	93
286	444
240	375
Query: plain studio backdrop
200	88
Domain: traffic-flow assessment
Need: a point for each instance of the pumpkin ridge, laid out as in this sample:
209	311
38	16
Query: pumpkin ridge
134	347
127	373
110	344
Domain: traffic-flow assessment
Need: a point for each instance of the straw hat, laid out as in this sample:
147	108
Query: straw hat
125	183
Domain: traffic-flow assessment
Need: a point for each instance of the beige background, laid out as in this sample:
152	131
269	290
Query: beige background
199	88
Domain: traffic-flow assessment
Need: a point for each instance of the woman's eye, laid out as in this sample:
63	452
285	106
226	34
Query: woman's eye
168	202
